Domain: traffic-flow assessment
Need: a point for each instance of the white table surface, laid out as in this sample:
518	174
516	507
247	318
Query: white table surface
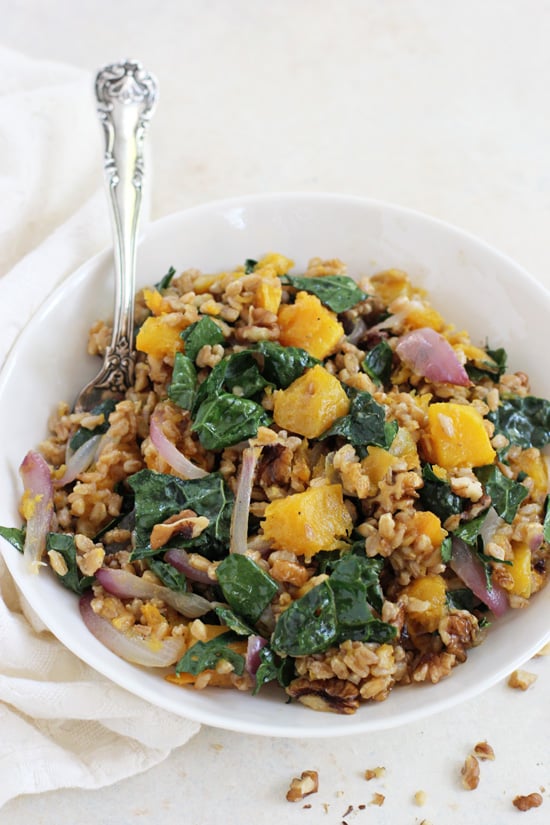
434	104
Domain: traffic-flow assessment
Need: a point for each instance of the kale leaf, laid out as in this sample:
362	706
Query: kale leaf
338	292
546	523
15	536
436	495
378	362
83	434
249	266
524	421
506	494
166	280
283	365
197	335
228	419
184	382
245	586
493	367
273	668
159	496
168	575
206	655
461	598
233	621
365	424
64	544
309	625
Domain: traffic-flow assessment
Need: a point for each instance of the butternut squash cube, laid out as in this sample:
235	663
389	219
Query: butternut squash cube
308	324
457	437
311	404
159	336
534	464
521	569
308	522
422	315
404	446
268	294
155	302
428	524
427	602
376	464
390	284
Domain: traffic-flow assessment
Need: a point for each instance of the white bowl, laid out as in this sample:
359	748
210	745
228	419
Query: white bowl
470	283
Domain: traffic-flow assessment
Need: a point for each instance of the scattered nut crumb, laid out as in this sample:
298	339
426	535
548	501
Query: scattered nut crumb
378	799
348	812
299	788
521	679
525	803
470	773
420	798
544	651
484	751
361	807
374	773
339	793
425	822
326	806
308	805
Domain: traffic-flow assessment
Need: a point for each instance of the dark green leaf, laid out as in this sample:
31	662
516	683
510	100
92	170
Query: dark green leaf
233	622
462	598
15	536
206	655
446	549
524	421
227	419
242	375
65	546
308	625
338	292
469	531
355	583
355	565
546	525
159	496
273	668
283	365
168	575
184	382
166	280
84	434
249	266
365	424
493	367
506	494
436	495
201	333
378	362
245	586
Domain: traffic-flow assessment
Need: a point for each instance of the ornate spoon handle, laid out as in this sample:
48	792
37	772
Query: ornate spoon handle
126	96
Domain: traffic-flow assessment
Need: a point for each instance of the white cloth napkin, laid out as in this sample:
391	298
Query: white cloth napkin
53	216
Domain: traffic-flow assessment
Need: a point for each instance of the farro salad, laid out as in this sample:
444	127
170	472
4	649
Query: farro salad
314	481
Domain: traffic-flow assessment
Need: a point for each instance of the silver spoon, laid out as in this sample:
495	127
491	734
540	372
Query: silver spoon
126	96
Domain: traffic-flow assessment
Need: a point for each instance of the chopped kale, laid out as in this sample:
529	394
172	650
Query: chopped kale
15	536
365	424
246	587
378	363
524	421
184	382
338	292
64	544
201	333
206	655
506	494
166	280
83	434
436	495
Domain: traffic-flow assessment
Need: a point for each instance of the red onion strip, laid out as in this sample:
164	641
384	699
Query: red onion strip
471	571
126	585
241	508
79	461
130	646
179	559
253	661
168	451
37	507
429	354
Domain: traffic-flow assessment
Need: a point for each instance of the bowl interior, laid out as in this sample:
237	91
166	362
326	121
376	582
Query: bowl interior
471	284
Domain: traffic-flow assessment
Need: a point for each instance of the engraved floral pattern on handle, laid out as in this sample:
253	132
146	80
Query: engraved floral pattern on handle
126	95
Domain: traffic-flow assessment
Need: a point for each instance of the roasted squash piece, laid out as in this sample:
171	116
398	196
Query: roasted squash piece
311	404
308	324
160	336
427	602
457	437
308	522
521	569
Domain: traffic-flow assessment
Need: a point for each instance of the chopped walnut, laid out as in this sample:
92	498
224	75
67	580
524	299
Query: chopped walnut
335	695
525	803
470	773
484	751
308	783
521	679
378	799
420	798
374	773
186	524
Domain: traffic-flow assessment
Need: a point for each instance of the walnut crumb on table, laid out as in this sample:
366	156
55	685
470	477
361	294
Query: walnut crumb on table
374	773
420	798
300	787
525	803
522	679
378	799
470	773
484	752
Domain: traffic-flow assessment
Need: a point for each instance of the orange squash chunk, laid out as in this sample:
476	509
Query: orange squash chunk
159	337
308	522
308	324
429	602
457	437
311	404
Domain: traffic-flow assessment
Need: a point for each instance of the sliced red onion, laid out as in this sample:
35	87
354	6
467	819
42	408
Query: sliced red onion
429	354
253	661
491	524
38	506
241	508
126	585
179	559
168	451
129	645
471	571
79	461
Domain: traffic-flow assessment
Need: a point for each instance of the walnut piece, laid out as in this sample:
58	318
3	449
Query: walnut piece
185	524
378	799
470	773
300	787
525	803
521	679
484	751
374	773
